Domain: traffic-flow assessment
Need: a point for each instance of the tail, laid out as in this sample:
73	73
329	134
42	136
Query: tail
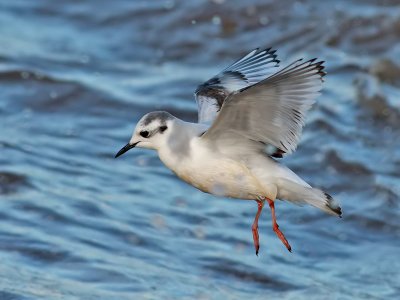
297	193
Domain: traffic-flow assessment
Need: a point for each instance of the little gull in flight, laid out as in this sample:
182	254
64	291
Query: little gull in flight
249	115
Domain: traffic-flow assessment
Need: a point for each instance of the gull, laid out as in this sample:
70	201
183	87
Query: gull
249	115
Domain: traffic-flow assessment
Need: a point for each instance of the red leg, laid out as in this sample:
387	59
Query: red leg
254	228
275	226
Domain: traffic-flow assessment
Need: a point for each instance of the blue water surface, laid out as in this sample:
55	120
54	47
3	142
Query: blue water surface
75	76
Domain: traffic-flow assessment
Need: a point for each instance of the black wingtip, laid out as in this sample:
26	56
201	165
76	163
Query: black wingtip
319	65
321	68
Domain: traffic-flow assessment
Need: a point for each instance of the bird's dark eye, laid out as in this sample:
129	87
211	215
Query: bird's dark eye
163	128
144	133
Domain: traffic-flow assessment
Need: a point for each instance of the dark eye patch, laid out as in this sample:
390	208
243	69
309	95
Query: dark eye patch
144	133
163	128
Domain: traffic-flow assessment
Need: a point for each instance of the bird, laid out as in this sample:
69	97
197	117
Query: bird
250	115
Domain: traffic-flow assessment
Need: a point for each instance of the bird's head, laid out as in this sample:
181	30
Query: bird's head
150	132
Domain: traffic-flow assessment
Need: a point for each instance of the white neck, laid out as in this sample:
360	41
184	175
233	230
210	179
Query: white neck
177	146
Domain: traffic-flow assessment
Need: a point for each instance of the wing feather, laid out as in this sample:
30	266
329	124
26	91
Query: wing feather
272	111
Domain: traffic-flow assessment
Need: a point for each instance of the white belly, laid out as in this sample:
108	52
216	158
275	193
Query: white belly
214	173
223	178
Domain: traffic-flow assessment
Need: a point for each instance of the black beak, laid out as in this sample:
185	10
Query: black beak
125	148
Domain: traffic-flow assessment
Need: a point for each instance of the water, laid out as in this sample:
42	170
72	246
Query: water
76	224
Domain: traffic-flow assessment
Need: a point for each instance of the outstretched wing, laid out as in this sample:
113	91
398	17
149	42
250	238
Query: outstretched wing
250	69
271	111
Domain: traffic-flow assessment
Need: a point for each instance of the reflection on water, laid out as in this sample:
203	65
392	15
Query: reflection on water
76	224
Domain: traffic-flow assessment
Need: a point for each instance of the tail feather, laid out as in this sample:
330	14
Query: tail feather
333	205
297	193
